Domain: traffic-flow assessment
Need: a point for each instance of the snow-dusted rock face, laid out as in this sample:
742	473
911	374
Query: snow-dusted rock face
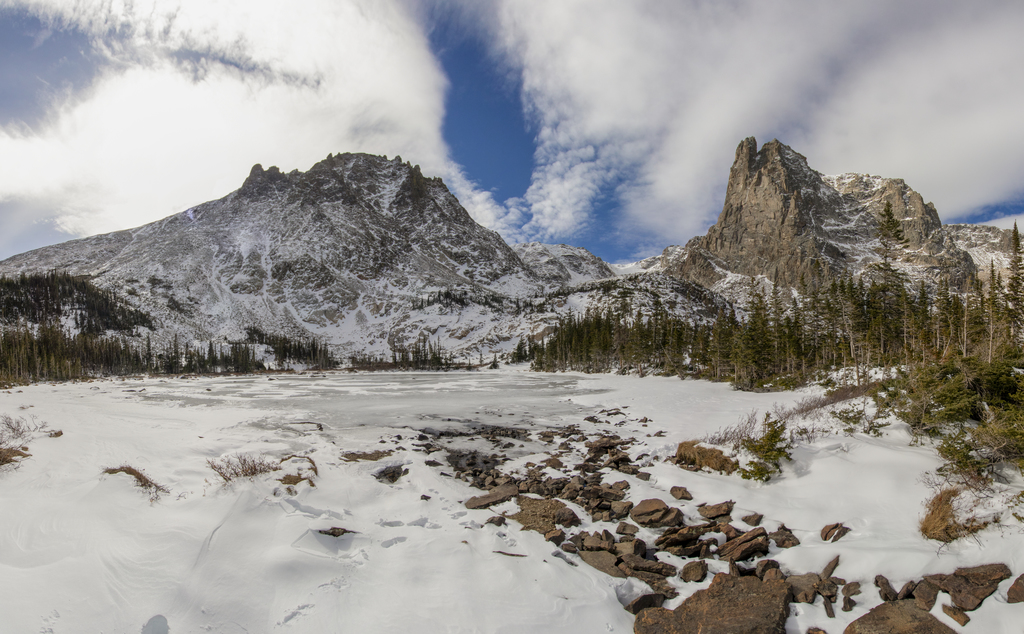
561	264
354	251
783	221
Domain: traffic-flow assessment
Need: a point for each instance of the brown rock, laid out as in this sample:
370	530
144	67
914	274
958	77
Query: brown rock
645	601
680	493
714	511
683	536
566	517
907	591
804	587
655	513
773	574
784	538
829	610
885	589
729	606
925	594
730	531
848	604
655	581
764	566
497	520
556	536
754	519
1016	592
830	567
833	532
968	587
621	509
603	561
897	617
569	547
745	547
827	588
597	541
632	547
694	571
625	528
635	562
956	614
851	589
816	630
504	493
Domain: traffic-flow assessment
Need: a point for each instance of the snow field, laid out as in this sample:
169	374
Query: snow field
84	551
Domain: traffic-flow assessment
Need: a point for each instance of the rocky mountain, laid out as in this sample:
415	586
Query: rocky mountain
360	251
783	221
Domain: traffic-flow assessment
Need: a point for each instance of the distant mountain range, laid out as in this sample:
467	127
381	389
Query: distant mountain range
367	254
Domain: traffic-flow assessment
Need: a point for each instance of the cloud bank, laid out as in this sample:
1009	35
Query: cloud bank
192	93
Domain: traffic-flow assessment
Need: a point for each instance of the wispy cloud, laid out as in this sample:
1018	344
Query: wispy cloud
651	98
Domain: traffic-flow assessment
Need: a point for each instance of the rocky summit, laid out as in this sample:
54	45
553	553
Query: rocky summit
367	254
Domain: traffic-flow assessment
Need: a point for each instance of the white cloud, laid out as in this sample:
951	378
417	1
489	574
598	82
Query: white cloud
653	97
195	92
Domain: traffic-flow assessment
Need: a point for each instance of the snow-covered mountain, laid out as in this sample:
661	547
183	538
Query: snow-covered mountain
361	251
783	222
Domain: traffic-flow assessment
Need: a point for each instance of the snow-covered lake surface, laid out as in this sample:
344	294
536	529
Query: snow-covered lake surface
82	551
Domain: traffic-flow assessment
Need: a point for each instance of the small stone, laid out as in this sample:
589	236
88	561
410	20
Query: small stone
885	589
655	513
632	547
773	574
1016	592
504	493
625	528
714	511
830	568
621	509
556	536
829	531
848	604
643	475
694	571
680	493
784	538
754	519
956	614
746	546
635	562
569	547
645	601
816	630
497	520
335	531
852	589
764	566
829	611
566	517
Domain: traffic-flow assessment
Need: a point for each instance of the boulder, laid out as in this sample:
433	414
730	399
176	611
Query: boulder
714	511
556	536
898	617
1016	592
566	517
597	541
625	528
764	566
968	587
803	587
603	561
655	513
925	594
746	546
621	509
694	571
497	495
773	574
645	601
729	606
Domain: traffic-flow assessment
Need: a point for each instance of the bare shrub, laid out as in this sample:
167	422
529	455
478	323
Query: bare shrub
940	521
141	480
734	436
14	435
690	453
243	466
292	479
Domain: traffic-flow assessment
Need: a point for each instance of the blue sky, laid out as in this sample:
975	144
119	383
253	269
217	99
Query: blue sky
598	123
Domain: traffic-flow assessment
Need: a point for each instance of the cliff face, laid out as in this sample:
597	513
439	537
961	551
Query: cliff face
787	222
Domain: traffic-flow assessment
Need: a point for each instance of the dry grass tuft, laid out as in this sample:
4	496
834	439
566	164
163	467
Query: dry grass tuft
141	480
14	434
692	454
940	521
243	466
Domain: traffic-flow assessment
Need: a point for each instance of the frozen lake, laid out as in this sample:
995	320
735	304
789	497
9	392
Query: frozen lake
84	551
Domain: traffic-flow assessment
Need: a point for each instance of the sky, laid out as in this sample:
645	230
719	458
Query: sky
599	123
